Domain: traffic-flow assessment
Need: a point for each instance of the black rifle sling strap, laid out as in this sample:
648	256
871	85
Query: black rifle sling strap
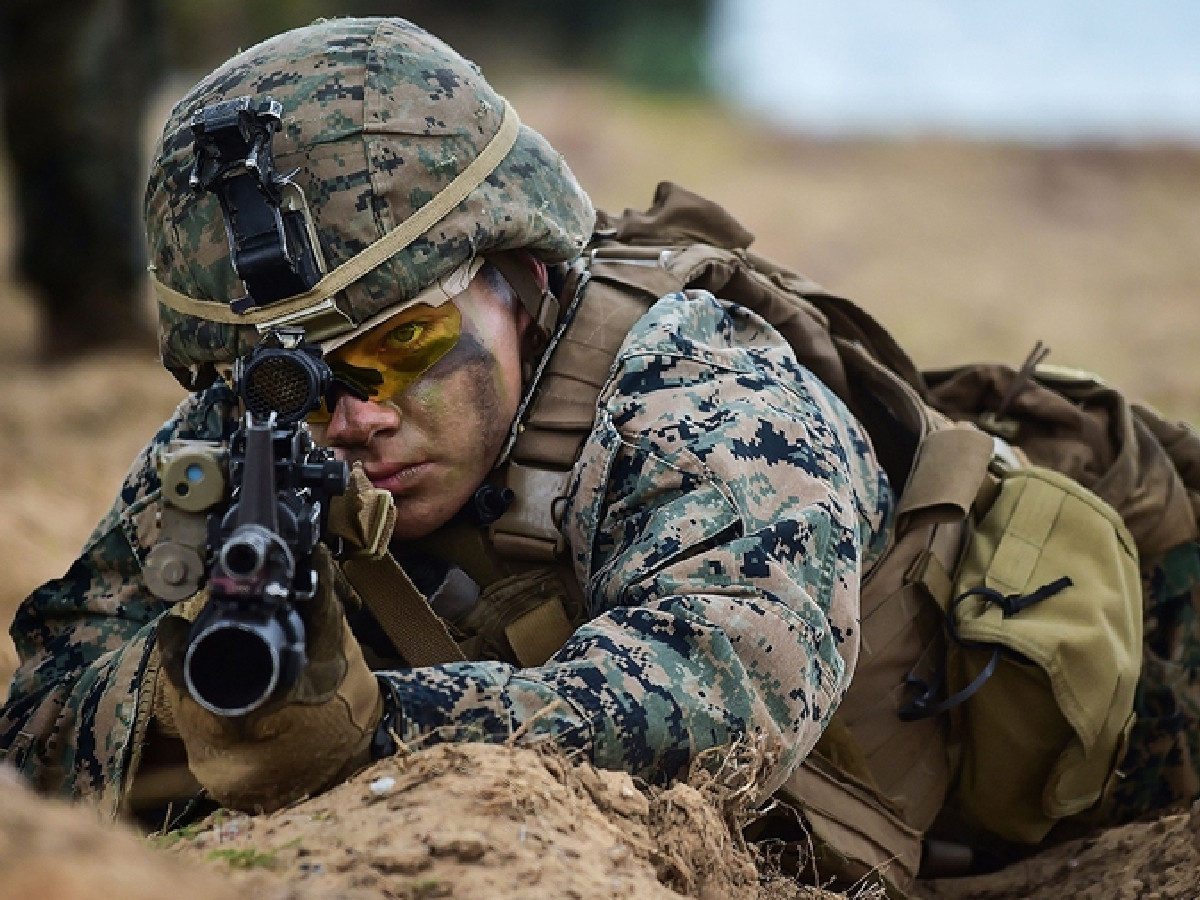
414	629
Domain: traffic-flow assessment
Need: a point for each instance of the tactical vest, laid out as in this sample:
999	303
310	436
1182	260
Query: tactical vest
881	773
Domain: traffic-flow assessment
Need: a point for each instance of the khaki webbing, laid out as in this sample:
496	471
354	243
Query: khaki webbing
405	616
360	264
852	820
540	633
947	474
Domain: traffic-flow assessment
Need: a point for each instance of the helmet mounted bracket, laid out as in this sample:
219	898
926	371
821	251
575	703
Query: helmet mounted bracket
272	240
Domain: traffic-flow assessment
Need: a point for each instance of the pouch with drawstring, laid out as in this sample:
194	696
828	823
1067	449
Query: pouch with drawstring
1045	631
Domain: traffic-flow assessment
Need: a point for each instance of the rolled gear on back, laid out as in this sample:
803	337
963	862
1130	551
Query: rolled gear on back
373	114
1145	468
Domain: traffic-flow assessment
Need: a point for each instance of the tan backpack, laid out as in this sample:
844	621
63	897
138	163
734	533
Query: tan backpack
877	783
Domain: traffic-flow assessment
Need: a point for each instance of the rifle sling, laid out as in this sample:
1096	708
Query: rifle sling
415	630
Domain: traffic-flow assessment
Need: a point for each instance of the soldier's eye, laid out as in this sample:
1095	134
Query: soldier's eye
404	335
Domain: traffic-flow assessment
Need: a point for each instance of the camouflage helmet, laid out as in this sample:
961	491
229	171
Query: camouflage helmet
378	118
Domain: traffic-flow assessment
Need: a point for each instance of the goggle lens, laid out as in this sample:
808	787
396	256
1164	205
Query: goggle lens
386	359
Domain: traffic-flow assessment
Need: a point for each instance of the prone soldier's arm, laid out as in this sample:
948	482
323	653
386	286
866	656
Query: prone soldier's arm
76	710
722	512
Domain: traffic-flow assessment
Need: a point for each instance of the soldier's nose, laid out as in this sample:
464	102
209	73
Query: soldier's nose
355	422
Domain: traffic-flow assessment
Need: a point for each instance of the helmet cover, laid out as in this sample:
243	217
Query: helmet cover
378	117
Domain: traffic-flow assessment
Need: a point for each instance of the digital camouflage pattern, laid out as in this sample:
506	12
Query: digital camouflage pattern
84	639
378	117
721	517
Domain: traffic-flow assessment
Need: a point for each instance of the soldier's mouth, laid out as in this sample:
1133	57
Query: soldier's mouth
397	478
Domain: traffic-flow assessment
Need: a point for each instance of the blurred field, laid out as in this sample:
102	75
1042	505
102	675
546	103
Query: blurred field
965	251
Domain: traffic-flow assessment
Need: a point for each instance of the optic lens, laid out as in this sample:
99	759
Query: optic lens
286	383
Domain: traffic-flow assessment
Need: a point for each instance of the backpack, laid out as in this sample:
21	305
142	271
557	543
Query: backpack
874	783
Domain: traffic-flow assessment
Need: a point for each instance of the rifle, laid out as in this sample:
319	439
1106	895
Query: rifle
244	518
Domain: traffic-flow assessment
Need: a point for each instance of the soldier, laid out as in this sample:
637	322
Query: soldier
714	529
76	78
698	493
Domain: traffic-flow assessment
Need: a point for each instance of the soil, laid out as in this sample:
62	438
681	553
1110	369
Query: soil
486	821
50	851
476	821
1159	860
451	821
967	251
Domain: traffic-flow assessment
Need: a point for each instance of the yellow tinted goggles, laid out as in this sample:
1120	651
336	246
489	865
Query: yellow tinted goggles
384	360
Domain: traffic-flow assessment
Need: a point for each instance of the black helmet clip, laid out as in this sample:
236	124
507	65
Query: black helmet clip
271	236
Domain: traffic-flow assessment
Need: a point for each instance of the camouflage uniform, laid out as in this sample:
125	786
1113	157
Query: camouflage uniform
720	519
1160	768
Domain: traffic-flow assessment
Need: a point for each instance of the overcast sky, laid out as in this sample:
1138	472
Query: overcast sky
1016	68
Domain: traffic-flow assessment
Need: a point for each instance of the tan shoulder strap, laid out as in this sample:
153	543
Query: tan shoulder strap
405	616
563	408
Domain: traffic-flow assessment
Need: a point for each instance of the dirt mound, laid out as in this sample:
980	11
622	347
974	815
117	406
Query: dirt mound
476	820
1159	860
50	851
482	821
452	821
466	821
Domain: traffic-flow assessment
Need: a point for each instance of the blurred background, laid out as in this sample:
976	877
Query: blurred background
979	176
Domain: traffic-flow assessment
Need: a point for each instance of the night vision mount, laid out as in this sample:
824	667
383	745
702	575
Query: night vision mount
271	236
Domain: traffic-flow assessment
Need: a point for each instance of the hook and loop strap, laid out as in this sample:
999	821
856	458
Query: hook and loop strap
361	263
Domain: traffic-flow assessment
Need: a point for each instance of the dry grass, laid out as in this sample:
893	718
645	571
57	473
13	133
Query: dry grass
965	250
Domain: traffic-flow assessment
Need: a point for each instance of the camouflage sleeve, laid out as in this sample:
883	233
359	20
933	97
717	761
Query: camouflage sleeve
723	512
84	639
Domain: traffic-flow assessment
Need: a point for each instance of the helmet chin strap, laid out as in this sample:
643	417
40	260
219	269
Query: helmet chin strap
541	305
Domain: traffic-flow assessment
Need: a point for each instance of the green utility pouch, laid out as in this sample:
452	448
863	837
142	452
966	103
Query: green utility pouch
1045	652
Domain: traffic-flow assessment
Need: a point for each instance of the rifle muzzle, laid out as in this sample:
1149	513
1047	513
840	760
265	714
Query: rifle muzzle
237	660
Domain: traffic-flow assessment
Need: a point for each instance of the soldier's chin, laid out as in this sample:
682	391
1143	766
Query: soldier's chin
419	516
